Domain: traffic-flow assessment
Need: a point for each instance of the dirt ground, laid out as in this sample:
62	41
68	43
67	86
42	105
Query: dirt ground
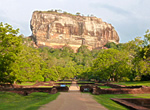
73	100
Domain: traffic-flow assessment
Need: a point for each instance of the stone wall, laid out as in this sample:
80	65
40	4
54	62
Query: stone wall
122	90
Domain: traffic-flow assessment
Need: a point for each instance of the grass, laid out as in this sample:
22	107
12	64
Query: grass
105	100
136	83
64	82
80	85
27	83
104	87
13	101
68	85
45	86
99	83
85	82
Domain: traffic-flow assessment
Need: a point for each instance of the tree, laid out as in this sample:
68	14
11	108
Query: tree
78	14
10	47
28	65
47	64
142	58
110	64
111	45
84	50
59	10
147	38
66	51
71	70
49	74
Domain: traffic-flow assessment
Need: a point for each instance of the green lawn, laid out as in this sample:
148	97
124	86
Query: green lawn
105	100
137	83
13	101
64	82
104	87
99	83
50	86
44	86
68	85
85	82
27	83
80	85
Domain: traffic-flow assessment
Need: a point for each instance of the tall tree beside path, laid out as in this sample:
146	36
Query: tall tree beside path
142	59
10	47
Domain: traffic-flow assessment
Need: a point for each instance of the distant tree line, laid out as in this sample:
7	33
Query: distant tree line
21	62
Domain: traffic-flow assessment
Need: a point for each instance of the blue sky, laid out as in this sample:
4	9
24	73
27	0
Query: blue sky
131	18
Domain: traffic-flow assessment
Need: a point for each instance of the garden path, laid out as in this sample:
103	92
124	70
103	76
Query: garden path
73	100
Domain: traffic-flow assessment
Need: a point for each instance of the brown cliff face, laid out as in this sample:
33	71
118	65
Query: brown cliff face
58	29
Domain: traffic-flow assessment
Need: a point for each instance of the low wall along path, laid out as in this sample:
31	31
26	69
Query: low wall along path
73	100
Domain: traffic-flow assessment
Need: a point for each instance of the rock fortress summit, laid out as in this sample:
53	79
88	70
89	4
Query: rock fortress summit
53	29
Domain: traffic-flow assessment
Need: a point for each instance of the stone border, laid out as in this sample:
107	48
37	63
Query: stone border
26	91
128	104
97	90
86	88
121	86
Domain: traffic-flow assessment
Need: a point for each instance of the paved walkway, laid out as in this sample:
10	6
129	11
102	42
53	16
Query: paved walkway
74	87
73	100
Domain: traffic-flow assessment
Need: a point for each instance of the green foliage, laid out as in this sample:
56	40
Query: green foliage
21	62
142	58
66	51
10	47
142	67
147	38
112	64
84	50
111	45
78	14
28	66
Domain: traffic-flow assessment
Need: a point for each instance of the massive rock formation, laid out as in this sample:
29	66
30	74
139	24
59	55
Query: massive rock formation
55	30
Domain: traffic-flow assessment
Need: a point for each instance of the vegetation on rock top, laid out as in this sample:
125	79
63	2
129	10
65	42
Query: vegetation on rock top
60	12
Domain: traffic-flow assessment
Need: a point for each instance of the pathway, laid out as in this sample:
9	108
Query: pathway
73	100
74	87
